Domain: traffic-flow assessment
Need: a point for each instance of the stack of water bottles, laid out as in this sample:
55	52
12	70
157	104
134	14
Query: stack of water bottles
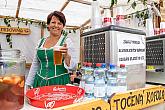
101	82
87	80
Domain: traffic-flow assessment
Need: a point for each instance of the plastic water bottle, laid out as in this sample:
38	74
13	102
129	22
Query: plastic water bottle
96	21
99	85
84	76
120	20
89	81
103	66
111	86
99	88
112	72
82	81
98	71
122	78
84	66
111	80
89	70
107	19
89	86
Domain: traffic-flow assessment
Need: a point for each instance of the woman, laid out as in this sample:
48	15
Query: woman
43	71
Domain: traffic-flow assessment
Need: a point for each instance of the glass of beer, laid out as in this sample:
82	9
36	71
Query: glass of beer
57	55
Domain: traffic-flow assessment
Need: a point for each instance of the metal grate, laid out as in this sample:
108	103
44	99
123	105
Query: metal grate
94	48
154	52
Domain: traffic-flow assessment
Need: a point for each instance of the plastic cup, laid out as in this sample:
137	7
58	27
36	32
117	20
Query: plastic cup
57	55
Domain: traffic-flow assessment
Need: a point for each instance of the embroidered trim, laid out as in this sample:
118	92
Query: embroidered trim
51	77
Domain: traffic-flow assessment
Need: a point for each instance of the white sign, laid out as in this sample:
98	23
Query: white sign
131	48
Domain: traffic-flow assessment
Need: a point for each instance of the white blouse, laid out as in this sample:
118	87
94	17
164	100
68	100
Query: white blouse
35	64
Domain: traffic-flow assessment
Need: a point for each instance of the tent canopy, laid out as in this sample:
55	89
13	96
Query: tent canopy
77	12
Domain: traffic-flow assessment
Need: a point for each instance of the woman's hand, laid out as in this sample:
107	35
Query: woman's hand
67	57
28	87
64	49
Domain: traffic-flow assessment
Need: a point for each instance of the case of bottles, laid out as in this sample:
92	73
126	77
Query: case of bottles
100	46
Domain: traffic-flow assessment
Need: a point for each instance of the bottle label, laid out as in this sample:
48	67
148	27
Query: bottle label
99	91
122	88
88	71
111	89
82	84
89	88
121	81
120	20
119	17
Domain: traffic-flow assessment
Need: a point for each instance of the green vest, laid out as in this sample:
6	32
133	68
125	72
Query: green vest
50	74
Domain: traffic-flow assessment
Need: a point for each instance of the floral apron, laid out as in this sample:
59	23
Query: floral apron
50	74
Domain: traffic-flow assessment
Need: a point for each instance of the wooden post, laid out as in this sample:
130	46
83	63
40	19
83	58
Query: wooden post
42	31
65	4
18	8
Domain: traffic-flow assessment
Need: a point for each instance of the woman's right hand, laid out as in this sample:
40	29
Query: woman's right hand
28	87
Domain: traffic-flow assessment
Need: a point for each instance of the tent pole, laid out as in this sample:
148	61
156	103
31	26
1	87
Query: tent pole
65	4
18	8
42	31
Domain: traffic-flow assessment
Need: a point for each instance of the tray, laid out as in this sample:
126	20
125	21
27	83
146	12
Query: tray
54	96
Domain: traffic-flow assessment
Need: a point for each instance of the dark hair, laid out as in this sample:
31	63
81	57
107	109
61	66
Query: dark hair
58	14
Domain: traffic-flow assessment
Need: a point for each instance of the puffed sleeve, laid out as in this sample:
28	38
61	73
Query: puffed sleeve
33	69
71	51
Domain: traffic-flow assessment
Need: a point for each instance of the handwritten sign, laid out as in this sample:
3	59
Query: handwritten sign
131	48
96	104
138	99
14	30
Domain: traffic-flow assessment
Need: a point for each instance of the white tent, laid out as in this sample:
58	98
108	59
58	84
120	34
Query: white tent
77	12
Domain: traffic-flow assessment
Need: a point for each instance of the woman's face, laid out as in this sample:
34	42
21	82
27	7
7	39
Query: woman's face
55	27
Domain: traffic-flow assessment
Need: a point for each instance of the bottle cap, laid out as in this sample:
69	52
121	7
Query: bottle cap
103	65
122	65
111	66
84	63
89	64
98	64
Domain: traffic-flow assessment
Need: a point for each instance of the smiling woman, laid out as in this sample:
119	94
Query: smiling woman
43	71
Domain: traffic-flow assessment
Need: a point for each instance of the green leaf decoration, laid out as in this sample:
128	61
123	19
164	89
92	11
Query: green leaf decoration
6	21
19	20
112	3
43	24
128	1
65	33
137	15
10	43
9	40
31	22
8	25
142	14
133	5
115	1
26	23
144	2
74	31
